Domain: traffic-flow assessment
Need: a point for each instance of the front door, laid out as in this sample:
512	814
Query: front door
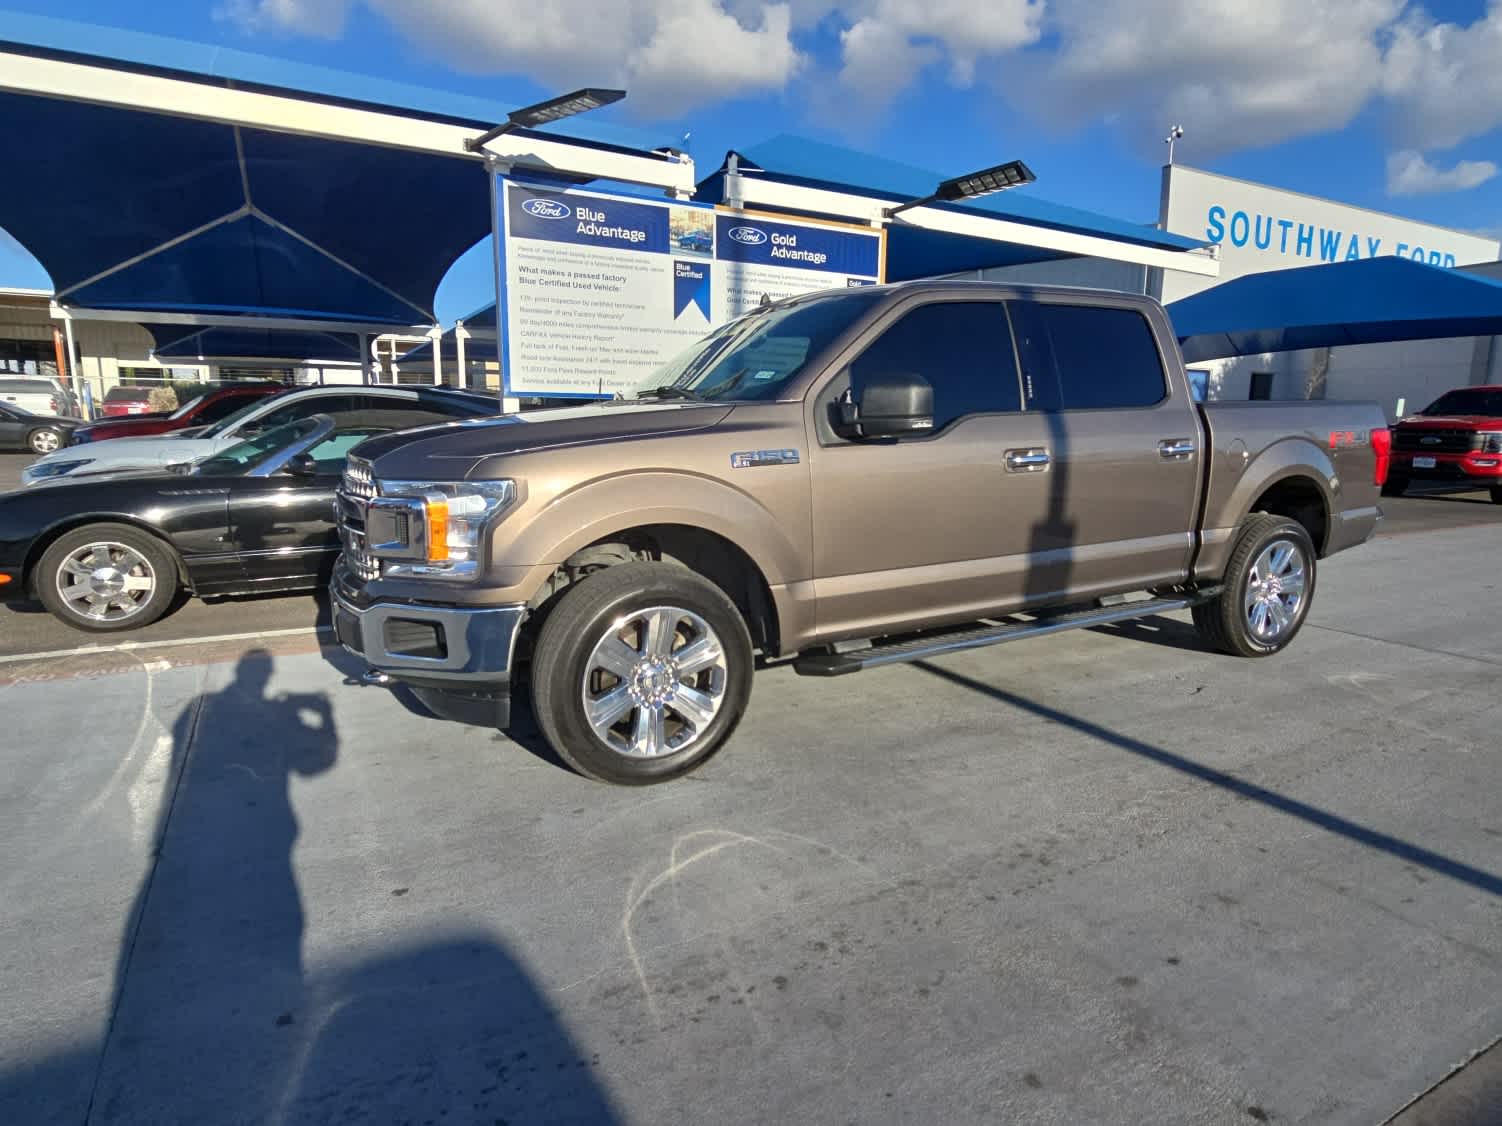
937	526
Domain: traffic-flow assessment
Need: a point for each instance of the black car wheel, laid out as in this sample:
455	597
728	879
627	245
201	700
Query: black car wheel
107	577
45	440
1395	486
1497	494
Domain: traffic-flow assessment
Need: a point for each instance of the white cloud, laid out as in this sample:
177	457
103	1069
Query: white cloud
670	54
890	41
322	19
1444	81
1234	74
1408	173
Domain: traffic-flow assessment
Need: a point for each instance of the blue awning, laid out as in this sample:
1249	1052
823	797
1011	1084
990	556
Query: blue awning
192	344
143	211
913	252
1371	301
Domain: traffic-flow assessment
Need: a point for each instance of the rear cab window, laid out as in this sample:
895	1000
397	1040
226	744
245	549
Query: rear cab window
1087	357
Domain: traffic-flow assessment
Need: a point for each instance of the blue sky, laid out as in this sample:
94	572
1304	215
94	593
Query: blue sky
1381	103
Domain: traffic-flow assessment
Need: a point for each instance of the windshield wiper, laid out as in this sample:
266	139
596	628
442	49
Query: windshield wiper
670	392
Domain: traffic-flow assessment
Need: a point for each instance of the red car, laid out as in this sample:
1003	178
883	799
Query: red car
122	402
1457	438
213	405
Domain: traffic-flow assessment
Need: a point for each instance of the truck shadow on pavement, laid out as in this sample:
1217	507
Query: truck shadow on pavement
1323	819
215	1016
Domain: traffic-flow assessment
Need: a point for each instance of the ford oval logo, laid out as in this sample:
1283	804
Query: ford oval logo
750	236
546	209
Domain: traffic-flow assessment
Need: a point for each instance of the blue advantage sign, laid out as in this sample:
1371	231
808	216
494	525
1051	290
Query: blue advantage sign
598	291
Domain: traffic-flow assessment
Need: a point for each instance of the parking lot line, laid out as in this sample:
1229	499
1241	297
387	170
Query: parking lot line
132	646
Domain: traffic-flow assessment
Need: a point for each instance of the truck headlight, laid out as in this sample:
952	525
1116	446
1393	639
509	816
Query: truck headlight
434	529
1491	443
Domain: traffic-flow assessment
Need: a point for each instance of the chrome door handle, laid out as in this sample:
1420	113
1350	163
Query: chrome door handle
1027	461
1175	447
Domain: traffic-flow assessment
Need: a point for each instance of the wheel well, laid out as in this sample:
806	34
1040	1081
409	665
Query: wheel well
712	556
40	545
1299	499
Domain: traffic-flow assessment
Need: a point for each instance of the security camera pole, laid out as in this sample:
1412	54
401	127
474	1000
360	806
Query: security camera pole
1173	135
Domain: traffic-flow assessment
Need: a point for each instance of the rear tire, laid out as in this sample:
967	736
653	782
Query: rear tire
105	578
1269	583
45	440
1395	486
640	673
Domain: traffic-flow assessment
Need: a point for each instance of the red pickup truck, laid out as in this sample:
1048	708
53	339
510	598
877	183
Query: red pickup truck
1456	438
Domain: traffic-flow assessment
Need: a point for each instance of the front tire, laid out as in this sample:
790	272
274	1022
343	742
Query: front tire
1269	583
1497	494
45	440
1395	486
641	673
105	578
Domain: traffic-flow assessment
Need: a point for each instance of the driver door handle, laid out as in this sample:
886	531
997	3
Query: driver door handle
1176	447
1027	461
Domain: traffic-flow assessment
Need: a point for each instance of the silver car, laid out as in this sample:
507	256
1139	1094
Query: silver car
382	407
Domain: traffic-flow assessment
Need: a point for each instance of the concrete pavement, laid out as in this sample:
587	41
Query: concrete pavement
1101	877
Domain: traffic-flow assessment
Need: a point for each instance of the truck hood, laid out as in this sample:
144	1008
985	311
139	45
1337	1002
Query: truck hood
1452	422
475	447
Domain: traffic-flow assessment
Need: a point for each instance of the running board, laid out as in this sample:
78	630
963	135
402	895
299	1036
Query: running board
978	637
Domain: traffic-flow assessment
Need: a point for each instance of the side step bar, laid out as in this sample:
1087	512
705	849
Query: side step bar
996	633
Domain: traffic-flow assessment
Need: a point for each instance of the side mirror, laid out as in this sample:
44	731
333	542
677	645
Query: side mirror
302	465
890	406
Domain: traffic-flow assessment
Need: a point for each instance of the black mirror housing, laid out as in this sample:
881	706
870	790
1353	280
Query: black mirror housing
891	406
302	465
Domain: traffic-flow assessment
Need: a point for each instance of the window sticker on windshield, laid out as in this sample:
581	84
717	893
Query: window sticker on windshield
766	374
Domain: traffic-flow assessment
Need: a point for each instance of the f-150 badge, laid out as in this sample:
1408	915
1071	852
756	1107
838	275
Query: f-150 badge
748	459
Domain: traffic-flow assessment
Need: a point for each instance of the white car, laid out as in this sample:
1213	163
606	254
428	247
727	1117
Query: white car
390	408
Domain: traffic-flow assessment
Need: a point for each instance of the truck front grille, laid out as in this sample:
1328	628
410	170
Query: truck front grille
1434	441
351	501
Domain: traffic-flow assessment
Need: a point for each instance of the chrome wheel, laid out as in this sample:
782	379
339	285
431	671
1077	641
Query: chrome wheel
1275	590
654	682
106	581
46	441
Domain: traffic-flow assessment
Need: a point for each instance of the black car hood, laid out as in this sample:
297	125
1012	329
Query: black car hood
455	450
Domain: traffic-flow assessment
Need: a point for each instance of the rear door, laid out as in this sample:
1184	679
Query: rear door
13	428
1123	444
940	525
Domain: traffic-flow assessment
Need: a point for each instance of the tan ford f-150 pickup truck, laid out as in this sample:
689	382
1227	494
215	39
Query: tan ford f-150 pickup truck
843	480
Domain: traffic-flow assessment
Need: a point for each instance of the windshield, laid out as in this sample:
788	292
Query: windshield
231	419
1467	400
757	355
189	405
244	456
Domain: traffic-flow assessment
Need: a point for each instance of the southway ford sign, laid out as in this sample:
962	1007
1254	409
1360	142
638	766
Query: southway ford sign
1259	228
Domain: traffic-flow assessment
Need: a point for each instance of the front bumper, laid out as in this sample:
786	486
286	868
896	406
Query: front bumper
463	648
1483	467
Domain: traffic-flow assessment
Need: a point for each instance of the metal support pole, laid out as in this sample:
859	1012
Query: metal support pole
365	359
460	336
74	362
437	337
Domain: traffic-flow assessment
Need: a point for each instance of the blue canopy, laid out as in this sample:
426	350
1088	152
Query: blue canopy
1370	301
141	211
913	252
190	343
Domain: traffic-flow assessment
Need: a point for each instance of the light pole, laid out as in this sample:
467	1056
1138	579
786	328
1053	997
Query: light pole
988	181
554	109
1173	135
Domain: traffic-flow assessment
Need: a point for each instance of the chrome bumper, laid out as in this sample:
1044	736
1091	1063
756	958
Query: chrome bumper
470	647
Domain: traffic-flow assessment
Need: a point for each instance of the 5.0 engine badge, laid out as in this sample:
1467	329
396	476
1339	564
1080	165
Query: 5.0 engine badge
748	459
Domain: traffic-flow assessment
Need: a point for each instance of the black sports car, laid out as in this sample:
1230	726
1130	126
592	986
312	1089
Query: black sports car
112	551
